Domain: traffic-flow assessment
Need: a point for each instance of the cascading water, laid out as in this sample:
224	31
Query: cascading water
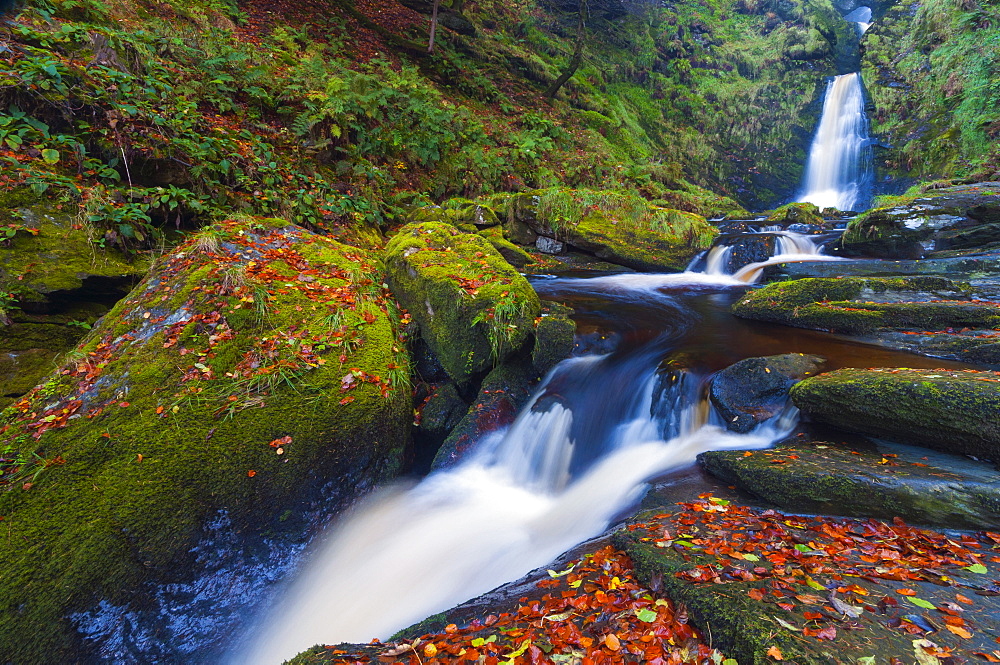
837	172
579	453
834	170
790	247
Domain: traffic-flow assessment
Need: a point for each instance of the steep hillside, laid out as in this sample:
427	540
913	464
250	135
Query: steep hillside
930	67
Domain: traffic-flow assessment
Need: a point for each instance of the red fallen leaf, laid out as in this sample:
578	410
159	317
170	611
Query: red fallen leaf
251	473
812	616
756	594
775	652
786	606
962	599
991	658
906	592
612	642
159	410
124	404
828	633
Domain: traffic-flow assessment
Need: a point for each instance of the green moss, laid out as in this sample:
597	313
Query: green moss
946	410
796	213
473	307
181	403
858	305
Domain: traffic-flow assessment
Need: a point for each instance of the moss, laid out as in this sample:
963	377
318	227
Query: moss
20	372
513	254
59	257
473	307
554	337
824	476
180	405
796	213
946	410
861	305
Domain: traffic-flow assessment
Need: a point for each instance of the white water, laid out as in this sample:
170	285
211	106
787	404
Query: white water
833	171
862	18
513	505
791	248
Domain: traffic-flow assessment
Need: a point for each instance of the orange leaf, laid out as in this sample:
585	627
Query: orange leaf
958	630
962	599
906	592
775	652
251	473
612	642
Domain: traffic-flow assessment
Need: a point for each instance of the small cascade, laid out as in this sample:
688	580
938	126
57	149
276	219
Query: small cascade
578	454
835	169
789	247
862	18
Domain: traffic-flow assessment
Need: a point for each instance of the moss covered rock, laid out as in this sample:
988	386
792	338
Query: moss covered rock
250	384
50	257
860	305
554	337
952	411
620	228
826	475
474	308
796	213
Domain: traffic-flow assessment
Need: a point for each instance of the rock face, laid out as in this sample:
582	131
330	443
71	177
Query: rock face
952	411
621	229
473	307
755	390
863	305
824	475
250	384
964	217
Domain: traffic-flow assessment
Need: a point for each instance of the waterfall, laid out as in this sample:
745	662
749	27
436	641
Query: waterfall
834	170
862	18
790	247
578	454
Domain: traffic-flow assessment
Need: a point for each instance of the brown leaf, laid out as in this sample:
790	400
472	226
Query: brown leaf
775	652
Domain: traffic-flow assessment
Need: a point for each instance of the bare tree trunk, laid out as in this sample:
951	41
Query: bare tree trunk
574	62
434	23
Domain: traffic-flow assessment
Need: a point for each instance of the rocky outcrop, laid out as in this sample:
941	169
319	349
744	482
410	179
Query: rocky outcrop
952	411
252	383
818	474
964	217
474	309
622	229
796	213
755	390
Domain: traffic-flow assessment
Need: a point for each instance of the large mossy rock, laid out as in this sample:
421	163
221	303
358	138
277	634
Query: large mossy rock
50	257
952	411
474	308
755	390
619	228
822	474
859	305
764	583
964	217
796	213
251	384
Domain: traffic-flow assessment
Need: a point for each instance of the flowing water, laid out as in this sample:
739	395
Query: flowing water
578	455
833	176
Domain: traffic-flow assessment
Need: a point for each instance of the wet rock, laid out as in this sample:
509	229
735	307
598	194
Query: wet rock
474	308
502	394
964	217
952	411
858	305
755	390
554	337
441	411
966	267
549	245
195	438
819	474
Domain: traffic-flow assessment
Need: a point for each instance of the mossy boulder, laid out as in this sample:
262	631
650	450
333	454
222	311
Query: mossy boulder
251	384
818	474
755	390
554	337
963	217
473	307
952	411
796	213
623	229
51	258
865	305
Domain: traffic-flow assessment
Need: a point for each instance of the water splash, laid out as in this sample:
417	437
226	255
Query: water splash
862	18
791	247
835	170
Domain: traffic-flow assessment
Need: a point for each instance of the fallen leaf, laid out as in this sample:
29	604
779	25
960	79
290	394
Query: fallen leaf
958	630
775	652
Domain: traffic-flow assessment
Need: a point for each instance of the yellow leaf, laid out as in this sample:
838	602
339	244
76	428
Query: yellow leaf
958	630
775	652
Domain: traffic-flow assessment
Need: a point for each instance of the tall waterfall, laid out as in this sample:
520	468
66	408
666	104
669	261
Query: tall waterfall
835	170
